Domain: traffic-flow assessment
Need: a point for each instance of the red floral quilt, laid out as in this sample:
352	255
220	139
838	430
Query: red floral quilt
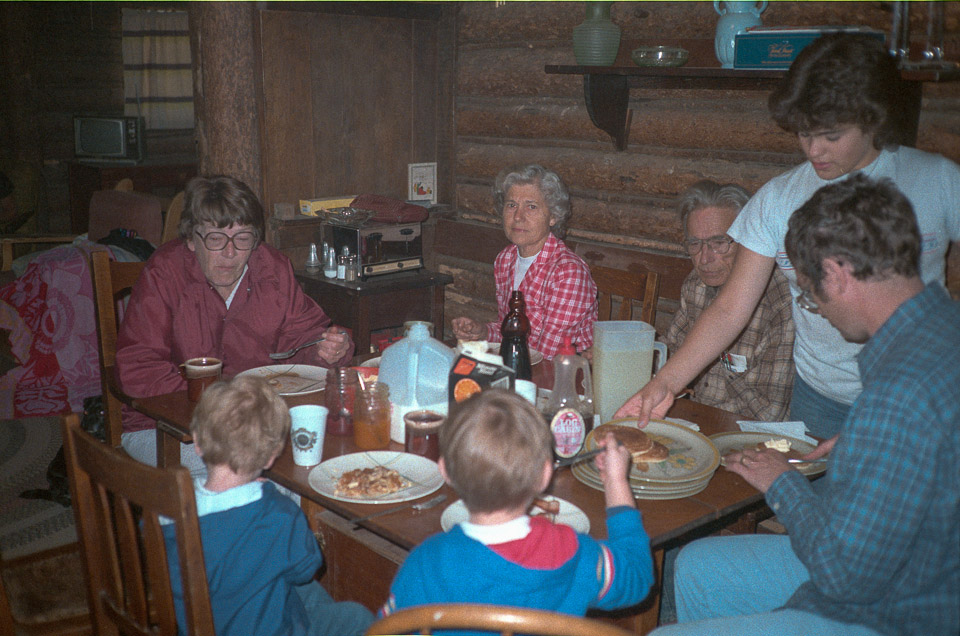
50	313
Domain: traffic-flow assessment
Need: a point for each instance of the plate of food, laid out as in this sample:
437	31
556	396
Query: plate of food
291	379
376	477
662	452
553	508
793	448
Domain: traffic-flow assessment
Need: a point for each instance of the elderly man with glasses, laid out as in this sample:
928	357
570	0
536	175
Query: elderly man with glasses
754	376
218	291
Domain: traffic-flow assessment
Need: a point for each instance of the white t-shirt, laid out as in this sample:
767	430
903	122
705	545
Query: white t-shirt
523	264
823	358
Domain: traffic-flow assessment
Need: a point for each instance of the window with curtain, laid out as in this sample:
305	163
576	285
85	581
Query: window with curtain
157	77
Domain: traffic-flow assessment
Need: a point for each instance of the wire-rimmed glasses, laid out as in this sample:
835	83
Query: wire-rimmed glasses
806	302
716	244
217	241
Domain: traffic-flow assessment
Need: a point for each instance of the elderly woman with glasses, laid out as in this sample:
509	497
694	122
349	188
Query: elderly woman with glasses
218	291
754	375
559	293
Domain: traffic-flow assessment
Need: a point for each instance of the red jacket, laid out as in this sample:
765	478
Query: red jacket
174	314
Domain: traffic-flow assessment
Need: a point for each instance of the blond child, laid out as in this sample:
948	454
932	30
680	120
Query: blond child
496	453
260	555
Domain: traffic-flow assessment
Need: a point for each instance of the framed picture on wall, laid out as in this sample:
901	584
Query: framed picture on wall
422	182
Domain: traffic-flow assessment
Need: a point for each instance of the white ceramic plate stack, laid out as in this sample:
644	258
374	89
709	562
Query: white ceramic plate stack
693	460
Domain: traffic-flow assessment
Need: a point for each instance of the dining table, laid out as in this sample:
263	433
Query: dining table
362	557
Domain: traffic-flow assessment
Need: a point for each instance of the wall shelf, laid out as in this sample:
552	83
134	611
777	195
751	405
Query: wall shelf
606	90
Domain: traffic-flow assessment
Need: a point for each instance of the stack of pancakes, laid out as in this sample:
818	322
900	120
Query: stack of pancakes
643	449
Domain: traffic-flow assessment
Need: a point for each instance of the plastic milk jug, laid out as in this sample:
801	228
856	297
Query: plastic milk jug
416	369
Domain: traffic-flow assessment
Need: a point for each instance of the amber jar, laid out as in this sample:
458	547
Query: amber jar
371	417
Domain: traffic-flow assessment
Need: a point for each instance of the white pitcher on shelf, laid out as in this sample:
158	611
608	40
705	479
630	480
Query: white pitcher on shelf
735	18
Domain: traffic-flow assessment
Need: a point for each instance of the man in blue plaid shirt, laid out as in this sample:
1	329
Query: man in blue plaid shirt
876	549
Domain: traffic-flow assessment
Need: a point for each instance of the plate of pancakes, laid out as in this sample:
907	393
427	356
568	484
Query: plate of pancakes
670	461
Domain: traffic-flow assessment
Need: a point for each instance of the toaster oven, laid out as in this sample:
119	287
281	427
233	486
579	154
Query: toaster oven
383	248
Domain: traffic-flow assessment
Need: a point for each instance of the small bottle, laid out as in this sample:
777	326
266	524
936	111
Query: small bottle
313	261
342	263
352	268
330	264
515	329
569	414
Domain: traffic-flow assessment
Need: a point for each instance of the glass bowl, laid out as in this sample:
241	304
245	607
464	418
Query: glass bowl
660	56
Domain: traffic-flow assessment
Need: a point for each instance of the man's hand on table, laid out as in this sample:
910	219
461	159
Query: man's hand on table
335	346
759	467
653	400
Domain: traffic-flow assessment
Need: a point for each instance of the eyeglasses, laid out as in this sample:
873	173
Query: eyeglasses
217	241
717	245
806	302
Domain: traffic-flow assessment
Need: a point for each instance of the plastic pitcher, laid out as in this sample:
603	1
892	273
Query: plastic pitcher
417	370
622	362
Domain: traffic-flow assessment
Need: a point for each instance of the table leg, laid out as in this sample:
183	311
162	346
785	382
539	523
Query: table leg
168	448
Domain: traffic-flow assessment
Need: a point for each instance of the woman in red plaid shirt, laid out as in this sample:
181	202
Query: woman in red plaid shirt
560	295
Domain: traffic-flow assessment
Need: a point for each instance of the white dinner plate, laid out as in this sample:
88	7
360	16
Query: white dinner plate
535	356
643	491
692	458
292	379
726	443
569	515
423	475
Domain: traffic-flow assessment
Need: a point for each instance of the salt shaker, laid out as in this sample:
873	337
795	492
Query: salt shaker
330	264
342	263
352	267
313	261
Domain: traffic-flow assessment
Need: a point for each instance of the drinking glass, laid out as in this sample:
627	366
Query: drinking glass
371	417
340	395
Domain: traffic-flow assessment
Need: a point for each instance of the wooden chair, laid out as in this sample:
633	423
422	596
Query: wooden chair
117	502
171	222
643	287
111	281
44	594
490	618
109	209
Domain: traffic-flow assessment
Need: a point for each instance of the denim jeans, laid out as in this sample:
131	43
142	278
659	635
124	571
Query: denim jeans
822	415
732	586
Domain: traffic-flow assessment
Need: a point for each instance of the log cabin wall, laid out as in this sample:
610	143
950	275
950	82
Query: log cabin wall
508	111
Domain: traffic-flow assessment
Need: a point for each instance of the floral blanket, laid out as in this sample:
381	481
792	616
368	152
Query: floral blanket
50	313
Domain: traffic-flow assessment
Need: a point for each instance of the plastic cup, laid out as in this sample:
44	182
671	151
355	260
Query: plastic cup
527	390
201	373
308	424
422	433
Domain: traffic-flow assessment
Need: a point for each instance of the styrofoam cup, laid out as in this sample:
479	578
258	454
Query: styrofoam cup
308	424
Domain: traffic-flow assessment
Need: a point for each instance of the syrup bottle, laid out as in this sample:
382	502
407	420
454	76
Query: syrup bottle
515	329
569	414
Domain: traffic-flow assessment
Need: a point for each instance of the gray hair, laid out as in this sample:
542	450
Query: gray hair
709	194
551	186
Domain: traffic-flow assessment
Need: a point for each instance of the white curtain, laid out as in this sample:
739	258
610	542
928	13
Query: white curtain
157	77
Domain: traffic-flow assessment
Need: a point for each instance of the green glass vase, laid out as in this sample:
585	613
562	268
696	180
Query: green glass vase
596	40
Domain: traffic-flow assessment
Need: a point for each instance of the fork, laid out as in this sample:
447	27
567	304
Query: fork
423	505
283	355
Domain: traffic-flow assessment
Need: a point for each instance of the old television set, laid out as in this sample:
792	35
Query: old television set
112	139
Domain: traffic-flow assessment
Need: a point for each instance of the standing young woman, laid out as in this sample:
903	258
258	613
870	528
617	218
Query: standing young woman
840	97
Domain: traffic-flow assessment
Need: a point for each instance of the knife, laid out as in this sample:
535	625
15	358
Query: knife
423	505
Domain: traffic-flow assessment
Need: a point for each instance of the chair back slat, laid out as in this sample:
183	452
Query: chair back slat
495	619
627	287
111	282
117	504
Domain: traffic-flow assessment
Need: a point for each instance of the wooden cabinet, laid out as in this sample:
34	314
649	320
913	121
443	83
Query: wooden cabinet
161	177
380	302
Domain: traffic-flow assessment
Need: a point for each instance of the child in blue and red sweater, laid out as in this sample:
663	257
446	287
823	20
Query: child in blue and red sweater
496	453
